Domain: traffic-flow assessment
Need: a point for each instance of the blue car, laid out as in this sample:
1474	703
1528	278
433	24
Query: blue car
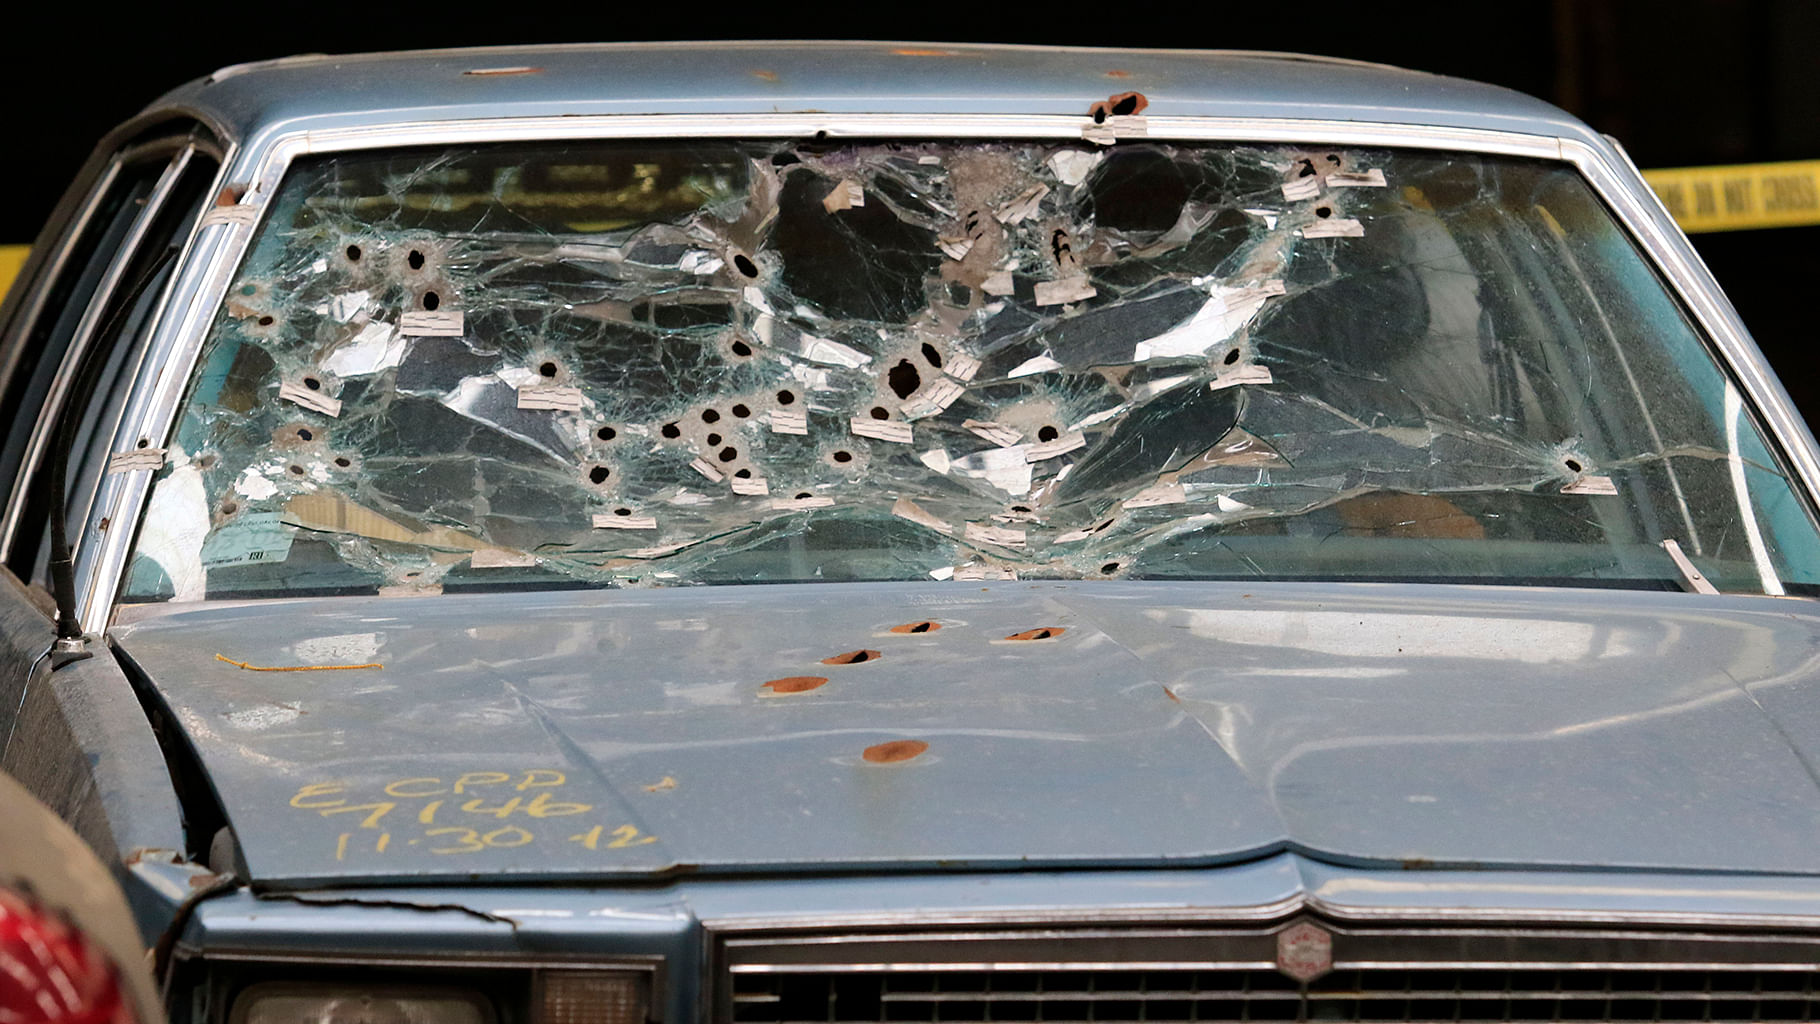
781	532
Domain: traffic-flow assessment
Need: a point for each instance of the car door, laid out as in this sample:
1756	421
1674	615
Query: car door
74	328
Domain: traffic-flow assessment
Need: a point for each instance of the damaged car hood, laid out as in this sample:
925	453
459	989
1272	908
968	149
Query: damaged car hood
577	735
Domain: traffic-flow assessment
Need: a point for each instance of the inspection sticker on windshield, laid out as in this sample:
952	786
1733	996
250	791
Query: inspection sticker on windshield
253	537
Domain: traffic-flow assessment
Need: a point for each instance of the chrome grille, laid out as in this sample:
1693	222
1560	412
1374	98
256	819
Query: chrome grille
1263	995
1100	973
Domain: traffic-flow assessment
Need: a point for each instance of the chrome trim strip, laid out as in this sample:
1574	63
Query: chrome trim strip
196	288
53	268
208	267
82	338
1134	915
647	963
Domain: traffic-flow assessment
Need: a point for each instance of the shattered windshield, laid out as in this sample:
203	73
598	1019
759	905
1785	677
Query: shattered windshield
648	363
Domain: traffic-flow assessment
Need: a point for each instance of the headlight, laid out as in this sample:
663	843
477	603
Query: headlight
283	1002
592	997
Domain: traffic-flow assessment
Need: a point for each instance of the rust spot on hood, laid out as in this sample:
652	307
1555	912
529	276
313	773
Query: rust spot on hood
917	627
1039	633
792	684
893	751
852	658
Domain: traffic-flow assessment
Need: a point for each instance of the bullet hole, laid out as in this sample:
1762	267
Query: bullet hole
924	626
1323	211
546	368
794	684
1020	508
710	415
207	461
670	430
879	412
1307	170
743	474
352	252
1231	357
1123	104
728	454
821	135
800	495
431	300
741	349
714	439
1040	633
1573	465
1109	568
415	259
605	434
932	355
741	410
852	658
267	320
1334	159
843	456
303	434
622	511
959	294
1103	526
228	508
312	383
903	379
343	462
744	264
599	474
786	397
143	443
895	750
294	469
1046	432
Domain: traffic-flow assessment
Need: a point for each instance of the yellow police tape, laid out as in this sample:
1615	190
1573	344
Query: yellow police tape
12	257
1733	198
1741	196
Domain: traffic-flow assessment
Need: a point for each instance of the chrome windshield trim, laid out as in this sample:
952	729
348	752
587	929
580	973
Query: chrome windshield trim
150	410
263	160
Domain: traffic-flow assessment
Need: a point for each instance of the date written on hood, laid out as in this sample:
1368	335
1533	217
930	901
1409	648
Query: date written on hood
456	814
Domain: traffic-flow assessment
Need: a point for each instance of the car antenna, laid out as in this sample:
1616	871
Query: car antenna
71	645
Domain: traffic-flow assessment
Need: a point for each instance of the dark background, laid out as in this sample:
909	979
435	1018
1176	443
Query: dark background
1679	82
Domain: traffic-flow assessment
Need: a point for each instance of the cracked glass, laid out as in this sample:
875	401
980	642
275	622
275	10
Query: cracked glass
653	363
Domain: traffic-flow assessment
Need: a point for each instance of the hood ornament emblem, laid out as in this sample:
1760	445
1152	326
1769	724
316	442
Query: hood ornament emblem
1304	951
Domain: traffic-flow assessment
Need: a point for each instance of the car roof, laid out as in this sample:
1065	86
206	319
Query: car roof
358	90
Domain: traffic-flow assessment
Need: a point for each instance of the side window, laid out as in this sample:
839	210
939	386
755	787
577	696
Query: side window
80	348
